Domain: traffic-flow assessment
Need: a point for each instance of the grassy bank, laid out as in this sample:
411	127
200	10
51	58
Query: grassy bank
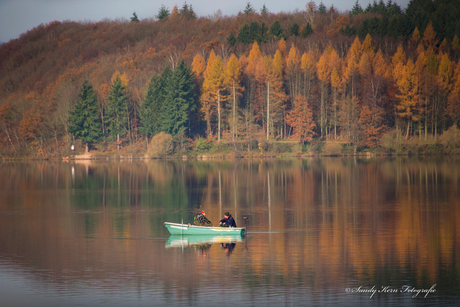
164	146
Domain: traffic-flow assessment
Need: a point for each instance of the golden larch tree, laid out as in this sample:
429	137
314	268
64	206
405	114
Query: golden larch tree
198	66
276	95
408	84
429	37
323	72
233	80
212	91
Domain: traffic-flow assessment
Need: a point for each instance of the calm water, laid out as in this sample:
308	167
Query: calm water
321	232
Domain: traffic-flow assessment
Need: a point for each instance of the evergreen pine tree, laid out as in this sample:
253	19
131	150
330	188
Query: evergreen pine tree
357	9
253	31
276	30
243	35
249	9
134	18
178	98
322	8
163	13
307	30
294	30
264	10
85	119
150	109
231	39
117	109
262	36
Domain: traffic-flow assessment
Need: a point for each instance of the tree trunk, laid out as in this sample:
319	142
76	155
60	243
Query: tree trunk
268	108
218	111
407	132
234	108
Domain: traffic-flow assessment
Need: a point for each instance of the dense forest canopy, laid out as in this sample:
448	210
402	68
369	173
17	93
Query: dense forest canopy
313	74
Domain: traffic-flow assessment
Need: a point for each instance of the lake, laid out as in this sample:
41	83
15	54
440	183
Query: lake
320	232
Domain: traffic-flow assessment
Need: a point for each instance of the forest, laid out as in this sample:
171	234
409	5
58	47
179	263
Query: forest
316	80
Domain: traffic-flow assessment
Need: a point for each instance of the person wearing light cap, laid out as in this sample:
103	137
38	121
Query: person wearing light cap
202	220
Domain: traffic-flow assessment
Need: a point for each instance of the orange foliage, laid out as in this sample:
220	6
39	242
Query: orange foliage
372	127
198	65
301	119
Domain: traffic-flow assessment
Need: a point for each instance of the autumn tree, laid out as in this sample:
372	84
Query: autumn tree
293	71
307	65
233	79
301	119
348	119
276	94
453	104
429	37
85	119
198	66
32	121
6	121
324	74
352	69
408	98
213	91
372	126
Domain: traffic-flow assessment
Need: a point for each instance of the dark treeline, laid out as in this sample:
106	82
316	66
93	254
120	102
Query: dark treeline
361	77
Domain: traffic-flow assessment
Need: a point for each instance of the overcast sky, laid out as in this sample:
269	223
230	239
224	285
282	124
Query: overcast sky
19	16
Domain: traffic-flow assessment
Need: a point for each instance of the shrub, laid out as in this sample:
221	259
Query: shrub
451	139
160	146
263	145
282	148
297	148
201	144
332	149
391	141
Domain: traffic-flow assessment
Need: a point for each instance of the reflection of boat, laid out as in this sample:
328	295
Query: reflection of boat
185	229
178	240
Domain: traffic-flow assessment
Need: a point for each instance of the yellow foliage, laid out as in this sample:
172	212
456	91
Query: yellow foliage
198	65
368	46
282	46
123	77
445	71
278	62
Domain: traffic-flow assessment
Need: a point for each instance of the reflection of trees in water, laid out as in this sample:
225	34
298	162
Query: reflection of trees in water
339	217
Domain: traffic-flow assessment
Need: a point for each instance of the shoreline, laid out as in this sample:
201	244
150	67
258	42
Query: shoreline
208	157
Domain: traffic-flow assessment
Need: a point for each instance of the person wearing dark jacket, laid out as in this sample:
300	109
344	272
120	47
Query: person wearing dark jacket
227	221
202	220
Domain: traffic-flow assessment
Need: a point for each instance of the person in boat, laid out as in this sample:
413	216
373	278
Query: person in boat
202	220
227	221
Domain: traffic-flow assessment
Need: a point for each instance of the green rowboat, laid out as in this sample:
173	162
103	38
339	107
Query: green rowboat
185	229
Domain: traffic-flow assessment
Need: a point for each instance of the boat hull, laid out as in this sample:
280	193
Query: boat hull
185	229
186	240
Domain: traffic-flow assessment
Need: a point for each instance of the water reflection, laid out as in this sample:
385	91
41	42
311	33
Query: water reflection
186	240
203	243
315	228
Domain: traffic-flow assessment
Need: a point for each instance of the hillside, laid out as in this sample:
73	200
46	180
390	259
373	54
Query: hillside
358	77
